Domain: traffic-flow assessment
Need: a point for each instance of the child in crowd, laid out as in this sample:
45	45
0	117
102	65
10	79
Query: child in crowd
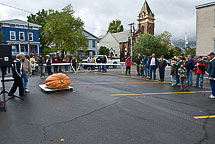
141	69
182	72
33	67
173	72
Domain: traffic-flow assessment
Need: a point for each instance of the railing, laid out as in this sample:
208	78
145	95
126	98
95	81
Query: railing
15	53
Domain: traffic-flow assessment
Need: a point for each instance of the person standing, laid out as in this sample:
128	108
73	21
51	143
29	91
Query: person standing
182	72
162	65
94	61
27	72
66	60
141	69
41	63
200	71
32	59
145	59
183	58
55	61
189	66
147	67
211	73
74	62
128	65
60	61
99	60
138	61
37	57
90	60
48	65
104	61
173	72
153	64
178	64
33	65
17	70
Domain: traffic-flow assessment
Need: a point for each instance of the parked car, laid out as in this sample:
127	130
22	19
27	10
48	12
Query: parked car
109	61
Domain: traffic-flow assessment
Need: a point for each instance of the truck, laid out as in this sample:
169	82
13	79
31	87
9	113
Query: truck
109	61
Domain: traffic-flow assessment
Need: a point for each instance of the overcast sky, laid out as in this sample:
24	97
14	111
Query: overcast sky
175	16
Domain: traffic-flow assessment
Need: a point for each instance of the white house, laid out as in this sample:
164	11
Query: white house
113	42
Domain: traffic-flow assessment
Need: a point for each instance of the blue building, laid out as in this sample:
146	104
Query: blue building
23	36
92	45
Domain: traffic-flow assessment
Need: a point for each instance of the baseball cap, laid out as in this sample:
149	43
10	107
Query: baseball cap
211	53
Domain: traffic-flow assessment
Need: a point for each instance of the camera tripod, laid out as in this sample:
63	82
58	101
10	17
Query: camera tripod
4	92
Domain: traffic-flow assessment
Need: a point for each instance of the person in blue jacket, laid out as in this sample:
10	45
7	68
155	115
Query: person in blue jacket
145	59
211	73
189	66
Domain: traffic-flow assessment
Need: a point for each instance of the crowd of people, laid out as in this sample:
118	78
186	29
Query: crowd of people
181	69
24	67
98	60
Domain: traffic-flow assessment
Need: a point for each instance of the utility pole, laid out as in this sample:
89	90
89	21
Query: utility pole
131	35
185	39
28	39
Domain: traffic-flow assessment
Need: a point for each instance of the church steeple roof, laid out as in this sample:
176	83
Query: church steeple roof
146	9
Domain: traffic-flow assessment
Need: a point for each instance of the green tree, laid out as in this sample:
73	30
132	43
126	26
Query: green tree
174	51
190	51
148	44
1	37
165	38
104	51
115	26
63	31
40	19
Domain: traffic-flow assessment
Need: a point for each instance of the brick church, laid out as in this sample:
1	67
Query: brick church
146	24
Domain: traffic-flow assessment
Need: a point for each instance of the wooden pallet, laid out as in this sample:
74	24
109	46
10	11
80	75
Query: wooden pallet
48	90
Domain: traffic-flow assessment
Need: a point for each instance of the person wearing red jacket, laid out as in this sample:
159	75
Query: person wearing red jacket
55	60
200	71
128	65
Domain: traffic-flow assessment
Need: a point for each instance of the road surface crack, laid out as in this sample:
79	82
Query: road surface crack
76	118
205	129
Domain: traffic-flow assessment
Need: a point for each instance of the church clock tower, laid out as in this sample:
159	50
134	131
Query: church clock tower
146	20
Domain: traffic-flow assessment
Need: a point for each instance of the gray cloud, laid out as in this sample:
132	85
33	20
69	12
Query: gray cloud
177	17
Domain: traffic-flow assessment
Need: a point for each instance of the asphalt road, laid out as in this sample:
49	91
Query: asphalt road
109	108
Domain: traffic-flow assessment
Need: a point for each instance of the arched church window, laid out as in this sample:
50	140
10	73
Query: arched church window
150	29
143	28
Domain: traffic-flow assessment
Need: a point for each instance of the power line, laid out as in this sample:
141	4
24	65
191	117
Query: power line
27	11
95	28
16	8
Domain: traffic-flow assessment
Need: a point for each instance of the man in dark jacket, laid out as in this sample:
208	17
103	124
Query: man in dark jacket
104	61
48	65
211	73
74	62
189	66
40	62
99	60
17	70
162	65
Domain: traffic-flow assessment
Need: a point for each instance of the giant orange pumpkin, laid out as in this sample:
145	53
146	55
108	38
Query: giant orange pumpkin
57	81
